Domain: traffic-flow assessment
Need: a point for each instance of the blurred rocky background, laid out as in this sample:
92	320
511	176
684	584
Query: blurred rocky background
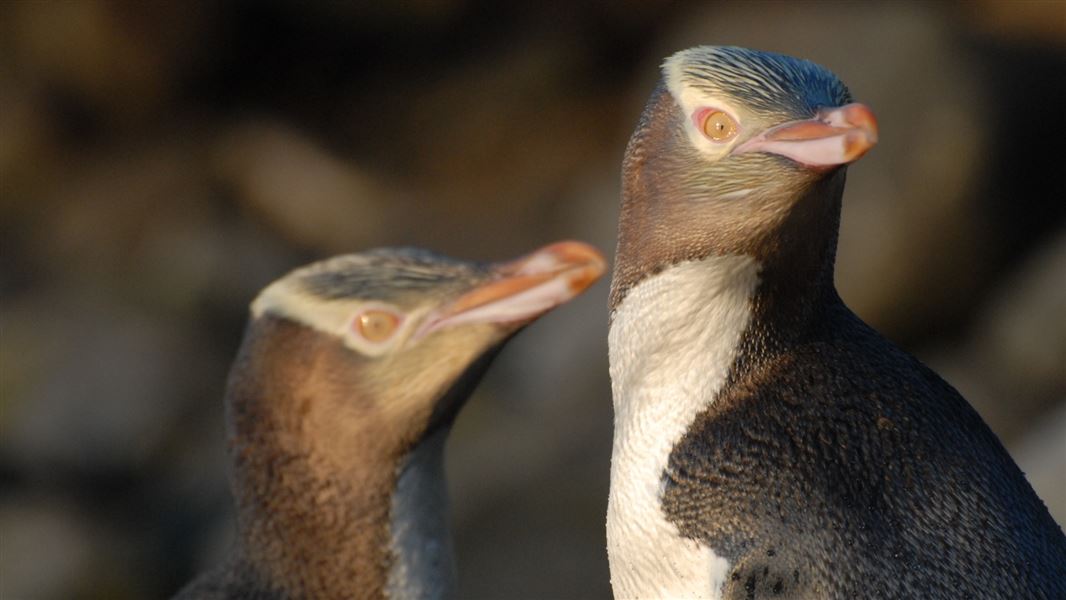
160	162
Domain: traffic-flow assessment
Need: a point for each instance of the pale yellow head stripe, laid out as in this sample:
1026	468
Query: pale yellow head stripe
690	99
285	298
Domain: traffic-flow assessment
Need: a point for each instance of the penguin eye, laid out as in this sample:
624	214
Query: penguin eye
376	325
716	125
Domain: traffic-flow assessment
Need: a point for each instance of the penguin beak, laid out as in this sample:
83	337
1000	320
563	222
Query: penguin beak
523	289
836	136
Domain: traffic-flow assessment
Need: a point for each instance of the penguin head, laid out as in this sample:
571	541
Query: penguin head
731	144
743	109
386	344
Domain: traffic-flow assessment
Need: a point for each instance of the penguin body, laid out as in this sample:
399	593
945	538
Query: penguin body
338	405
768	443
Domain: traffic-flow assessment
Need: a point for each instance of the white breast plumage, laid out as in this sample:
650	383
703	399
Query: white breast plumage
672	341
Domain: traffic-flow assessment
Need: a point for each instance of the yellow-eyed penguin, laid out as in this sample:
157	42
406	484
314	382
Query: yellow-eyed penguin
337	407
768	443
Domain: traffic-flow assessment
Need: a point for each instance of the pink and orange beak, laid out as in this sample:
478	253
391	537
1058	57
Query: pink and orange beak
525	288
836	136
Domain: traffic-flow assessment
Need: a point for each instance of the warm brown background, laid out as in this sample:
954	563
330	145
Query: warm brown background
161	162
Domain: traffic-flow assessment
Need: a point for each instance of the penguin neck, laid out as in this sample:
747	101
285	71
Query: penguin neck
329	505
776	282
420	535
796	293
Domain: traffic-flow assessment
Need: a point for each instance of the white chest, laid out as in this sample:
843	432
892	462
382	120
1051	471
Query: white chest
671	343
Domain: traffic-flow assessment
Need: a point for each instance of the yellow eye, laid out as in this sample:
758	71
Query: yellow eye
377	325
718	126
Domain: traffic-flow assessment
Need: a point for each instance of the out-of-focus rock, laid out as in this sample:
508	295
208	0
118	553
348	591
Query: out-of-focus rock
26	147
1022	21
491	141
510	110
139	220
120	60
306	194
1012	368
1022	332
146	224
51	551
91	388
371	17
